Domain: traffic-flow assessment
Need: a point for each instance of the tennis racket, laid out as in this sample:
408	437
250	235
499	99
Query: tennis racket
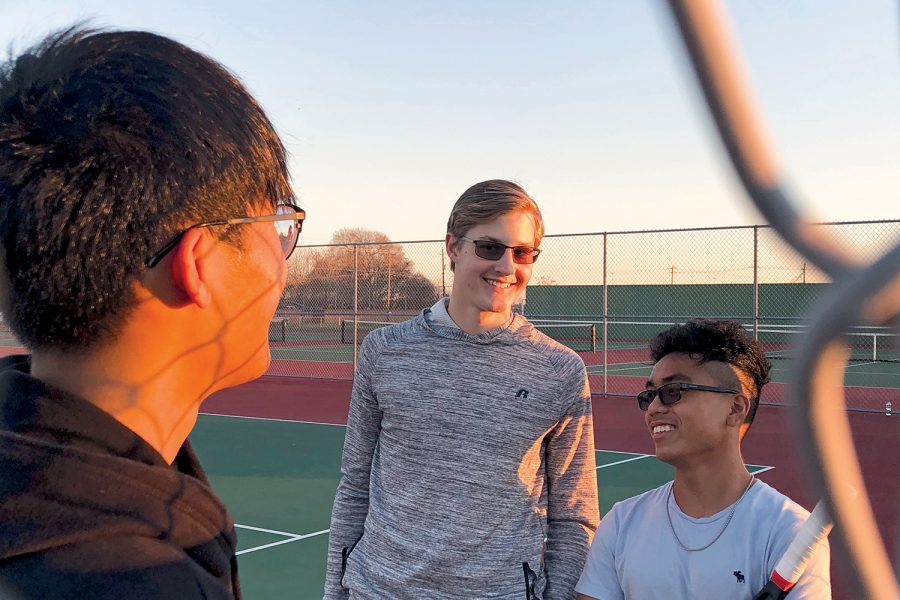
792	564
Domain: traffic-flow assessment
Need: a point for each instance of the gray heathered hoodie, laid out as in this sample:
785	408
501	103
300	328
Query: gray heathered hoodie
462	454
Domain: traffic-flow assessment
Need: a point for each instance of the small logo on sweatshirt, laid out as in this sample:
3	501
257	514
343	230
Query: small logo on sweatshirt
522	393
739	576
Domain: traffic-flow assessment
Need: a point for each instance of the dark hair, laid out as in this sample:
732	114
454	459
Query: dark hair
485	201
110	143
717	340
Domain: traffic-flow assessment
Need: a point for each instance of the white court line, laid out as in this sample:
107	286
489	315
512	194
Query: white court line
847	366
280	542
619	462
626	369
610	365
617	367
861	364
761	470
293	352
862	387
275	531
272	419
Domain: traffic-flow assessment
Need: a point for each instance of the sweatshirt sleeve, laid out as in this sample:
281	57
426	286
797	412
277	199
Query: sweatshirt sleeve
351	502
572	508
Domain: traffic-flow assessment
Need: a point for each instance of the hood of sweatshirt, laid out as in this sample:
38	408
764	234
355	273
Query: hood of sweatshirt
70	473
517	330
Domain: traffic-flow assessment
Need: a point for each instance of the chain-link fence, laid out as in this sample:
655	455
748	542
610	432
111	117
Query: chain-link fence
335	294
605	295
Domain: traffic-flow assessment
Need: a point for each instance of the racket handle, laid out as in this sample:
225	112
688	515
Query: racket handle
796	557
771	592
811	534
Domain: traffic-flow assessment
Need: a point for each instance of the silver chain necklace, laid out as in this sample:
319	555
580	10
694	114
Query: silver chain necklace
718	535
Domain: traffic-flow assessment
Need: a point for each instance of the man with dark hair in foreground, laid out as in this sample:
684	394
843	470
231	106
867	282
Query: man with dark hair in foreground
716	531
145	218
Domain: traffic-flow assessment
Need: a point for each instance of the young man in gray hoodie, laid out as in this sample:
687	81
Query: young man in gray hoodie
468	468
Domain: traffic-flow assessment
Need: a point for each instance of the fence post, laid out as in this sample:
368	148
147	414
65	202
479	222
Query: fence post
389	248
605	319
355	304
443	278
756	282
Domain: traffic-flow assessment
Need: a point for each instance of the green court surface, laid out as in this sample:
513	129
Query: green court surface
278	479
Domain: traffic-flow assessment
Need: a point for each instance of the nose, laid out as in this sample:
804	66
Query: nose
656	407
505	263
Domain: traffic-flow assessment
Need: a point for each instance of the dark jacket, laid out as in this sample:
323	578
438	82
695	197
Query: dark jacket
89	510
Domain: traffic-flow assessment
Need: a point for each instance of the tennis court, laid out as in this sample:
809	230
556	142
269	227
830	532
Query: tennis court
278	477
617	365
273	453
275	457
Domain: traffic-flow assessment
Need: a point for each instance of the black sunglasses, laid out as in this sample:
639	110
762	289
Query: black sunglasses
288	221
489	250
670	393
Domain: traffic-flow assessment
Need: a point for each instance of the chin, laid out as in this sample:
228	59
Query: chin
260	364
499	305
251	368
665	456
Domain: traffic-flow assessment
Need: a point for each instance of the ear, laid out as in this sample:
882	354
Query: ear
450	243
187	266
740	406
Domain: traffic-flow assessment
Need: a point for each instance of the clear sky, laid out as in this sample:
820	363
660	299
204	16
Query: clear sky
390	109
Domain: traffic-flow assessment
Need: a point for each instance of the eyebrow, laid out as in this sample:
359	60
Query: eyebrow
487	238
672	377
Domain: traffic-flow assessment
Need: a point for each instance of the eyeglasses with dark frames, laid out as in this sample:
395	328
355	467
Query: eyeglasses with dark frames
288	220
491	250
670	393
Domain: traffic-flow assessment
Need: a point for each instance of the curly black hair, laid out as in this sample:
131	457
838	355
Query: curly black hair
717	340
110	143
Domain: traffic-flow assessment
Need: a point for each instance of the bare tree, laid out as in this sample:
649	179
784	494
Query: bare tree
387	280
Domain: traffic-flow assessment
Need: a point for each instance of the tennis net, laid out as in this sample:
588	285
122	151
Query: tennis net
866	344
278	330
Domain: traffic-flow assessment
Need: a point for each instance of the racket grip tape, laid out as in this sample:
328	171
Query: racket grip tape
792	564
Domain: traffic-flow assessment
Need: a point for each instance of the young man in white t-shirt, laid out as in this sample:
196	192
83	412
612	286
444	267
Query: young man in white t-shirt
716	531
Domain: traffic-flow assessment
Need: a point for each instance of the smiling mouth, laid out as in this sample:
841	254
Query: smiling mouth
662	429
499	284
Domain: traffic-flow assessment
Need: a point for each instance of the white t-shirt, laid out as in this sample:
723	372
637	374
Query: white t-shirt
634	555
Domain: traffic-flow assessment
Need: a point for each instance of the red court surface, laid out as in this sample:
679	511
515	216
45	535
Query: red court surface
618	425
